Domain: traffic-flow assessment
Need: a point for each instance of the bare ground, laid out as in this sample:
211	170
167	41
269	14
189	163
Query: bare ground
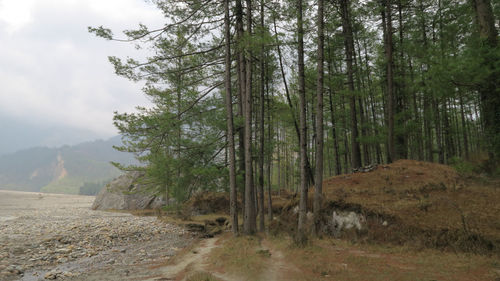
52	236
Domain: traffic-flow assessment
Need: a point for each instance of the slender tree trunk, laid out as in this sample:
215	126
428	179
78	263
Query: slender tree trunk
401	140
418	134
439	134
241	100
230	125
249	225
289	102
261	119
318	190
464	129
301	229
336	156
489	90
269	153
378	149
349	47
391	149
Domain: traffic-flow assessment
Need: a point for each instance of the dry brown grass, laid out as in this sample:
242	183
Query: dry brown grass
334	259
425	204
239	256
331	259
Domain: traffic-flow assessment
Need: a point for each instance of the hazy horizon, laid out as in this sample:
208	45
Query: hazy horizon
57	84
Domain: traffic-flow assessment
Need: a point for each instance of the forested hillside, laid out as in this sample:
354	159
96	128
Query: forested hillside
256	95
64	169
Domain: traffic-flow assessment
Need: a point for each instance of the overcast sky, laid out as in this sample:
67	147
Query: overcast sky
56	84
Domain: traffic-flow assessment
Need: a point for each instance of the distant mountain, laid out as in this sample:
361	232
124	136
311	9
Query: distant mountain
20	134
64	169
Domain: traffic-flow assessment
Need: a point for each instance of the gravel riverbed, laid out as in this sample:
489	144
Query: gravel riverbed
53	236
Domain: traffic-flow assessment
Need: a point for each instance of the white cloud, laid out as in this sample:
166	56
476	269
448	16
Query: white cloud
16	13
52	71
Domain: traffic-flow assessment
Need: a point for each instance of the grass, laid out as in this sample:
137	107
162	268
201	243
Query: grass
426	204
429	208
240	256
65	185
333	259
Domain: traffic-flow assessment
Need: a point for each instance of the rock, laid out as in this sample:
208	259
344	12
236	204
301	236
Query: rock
345	221
52	275
195	227
125	193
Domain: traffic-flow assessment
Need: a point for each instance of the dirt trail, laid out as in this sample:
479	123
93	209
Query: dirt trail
191	261
278	268
195	261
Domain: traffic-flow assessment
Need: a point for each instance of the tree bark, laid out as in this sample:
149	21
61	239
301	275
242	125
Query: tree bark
241	100
301	229
261	119
230	125
349	48
390	81
318	190
489	90
250	224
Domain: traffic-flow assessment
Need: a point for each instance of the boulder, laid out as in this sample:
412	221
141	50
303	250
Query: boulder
126	193
342	221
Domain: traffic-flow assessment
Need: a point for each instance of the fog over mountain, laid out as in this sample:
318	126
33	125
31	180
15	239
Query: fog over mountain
62	169
19	134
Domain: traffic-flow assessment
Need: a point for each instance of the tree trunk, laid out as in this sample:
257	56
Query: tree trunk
336	156
464	129
229	120
249	225
391	149
269	154
289	102
301	229
261	119
349	48
489	90
401	140
241	100
318	190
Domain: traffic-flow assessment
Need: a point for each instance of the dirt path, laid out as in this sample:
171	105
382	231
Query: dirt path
194	260
278	267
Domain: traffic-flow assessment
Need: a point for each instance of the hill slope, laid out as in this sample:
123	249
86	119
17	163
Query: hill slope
426	203
63	169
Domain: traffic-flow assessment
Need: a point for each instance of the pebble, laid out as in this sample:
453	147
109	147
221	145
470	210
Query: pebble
46	238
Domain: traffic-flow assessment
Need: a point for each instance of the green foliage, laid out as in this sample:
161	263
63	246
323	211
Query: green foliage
92	188
66	185
463	167
101	32
180	139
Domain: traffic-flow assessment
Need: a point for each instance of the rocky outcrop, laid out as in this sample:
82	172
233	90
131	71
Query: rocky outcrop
125	193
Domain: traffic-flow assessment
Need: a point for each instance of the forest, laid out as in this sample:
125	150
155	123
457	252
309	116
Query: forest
251	97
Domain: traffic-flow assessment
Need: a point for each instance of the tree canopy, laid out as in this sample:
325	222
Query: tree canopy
255	95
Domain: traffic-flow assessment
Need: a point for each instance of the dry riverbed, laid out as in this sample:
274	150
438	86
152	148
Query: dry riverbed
52	236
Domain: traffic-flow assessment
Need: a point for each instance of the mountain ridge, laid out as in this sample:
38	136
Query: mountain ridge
62	169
